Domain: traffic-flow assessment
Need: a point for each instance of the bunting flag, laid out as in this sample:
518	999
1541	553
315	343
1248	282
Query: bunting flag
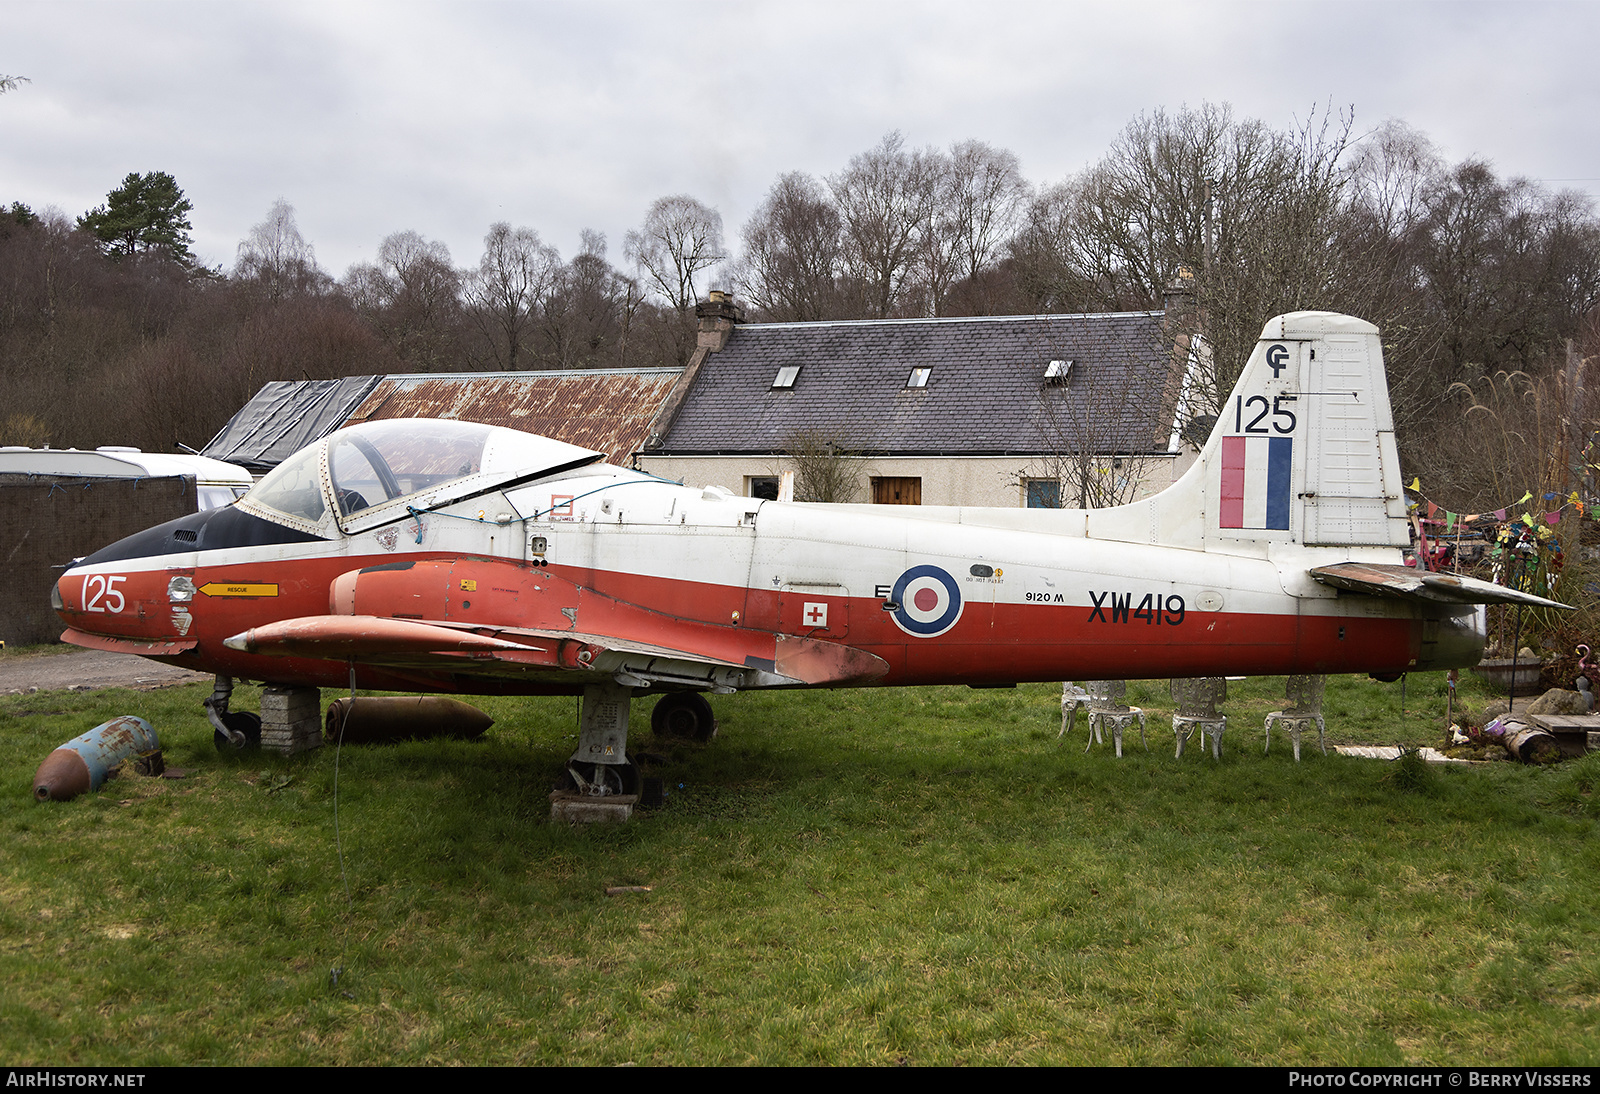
1533	529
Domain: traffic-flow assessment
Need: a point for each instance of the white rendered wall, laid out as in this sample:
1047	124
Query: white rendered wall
946	480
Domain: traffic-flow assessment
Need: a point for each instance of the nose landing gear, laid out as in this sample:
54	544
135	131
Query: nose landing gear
234	730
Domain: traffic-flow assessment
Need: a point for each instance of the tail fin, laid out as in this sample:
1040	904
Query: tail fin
1302	453
1304	448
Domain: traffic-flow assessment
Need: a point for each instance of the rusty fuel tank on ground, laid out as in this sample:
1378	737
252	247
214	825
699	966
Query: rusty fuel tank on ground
403	718
83	763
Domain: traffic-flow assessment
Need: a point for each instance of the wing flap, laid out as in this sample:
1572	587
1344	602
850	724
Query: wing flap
1378	579
789	658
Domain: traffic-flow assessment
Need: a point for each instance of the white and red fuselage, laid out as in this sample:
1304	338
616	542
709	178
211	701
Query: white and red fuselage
550	567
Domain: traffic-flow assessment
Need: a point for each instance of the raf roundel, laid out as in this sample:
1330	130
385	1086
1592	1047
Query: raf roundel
929	601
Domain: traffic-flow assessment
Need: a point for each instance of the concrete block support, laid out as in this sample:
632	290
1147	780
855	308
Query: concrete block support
291	719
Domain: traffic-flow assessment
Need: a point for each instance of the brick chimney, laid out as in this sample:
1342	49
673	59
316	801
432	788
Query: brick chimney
717	314
1177	298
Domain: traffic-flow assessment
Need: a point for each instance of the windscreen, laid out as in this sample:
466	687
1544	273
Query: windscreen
294	487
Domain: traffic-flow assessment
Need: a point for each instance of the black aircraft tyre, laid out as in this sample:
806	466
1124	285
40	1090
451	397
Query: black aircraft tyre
685	716
241	721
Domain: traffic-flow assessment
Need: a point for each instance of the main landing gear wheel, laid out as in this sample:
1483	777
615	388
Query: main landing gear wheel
601	780
685	715
241	722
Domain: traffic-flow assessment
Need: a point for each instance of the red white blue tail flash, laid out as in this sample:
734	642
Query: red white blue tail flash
1255	482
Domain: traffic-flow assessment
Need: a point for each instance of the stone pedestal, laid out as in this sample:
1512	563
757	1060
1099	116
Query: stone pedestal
291	719
570	808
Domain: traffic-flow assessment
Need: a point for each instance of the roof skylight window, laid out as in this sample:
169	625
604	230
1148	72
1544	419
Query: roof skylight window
918	377
786	377
1056	372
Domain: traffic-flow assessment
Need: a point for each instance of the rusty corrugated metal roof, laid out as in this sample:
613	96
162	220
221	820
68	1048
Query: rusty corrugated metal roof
607	410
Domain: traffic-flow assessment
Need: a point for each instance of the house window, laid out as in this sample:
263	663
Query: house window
1041	493
900	491
786	377
918	377
761	486
1056	372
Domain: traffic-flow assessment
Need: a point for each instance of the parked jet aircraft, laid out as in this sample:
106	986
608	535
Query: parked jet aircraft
447	556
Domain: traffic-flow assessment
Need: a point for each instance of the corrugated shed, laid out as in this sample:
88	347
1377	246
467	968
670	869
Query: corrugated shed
607	410
986	391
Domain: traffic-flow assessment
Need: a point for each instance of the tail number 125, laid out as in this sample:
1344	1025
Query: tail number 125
1278	412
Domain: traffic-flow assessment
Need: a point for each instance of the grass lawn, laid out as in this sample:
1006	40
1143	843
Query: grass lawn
919	875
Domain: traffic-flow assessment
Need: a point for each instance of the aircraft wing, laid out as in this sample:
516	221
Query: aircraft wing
682	659
1378	579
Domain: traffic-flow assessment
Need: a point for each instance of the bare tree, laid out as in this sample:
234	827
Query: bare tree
983	201
1042	253
1390	171
886	199
826	467
276	258
1510	268
679	239
412	295
593	315
11	83
792	253
506	291
1248	210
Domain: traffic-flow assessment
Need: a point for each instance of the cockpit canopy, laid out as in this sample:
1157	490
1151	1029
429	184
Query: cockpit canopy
374	472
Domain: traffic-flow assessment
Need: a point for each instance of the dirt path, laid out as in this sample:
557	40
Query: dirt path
86	670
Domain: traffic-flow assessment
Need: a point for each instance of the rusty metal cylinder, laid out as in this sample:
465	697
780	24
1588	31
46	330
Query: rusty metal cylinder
403	718
83	763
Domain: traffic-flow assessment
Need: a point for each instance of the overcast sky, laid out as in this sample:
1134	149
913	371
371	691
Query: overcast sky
443	118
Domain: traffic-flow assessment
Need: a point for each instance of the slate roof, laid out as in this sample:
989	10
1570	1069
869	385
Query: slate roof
986	393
